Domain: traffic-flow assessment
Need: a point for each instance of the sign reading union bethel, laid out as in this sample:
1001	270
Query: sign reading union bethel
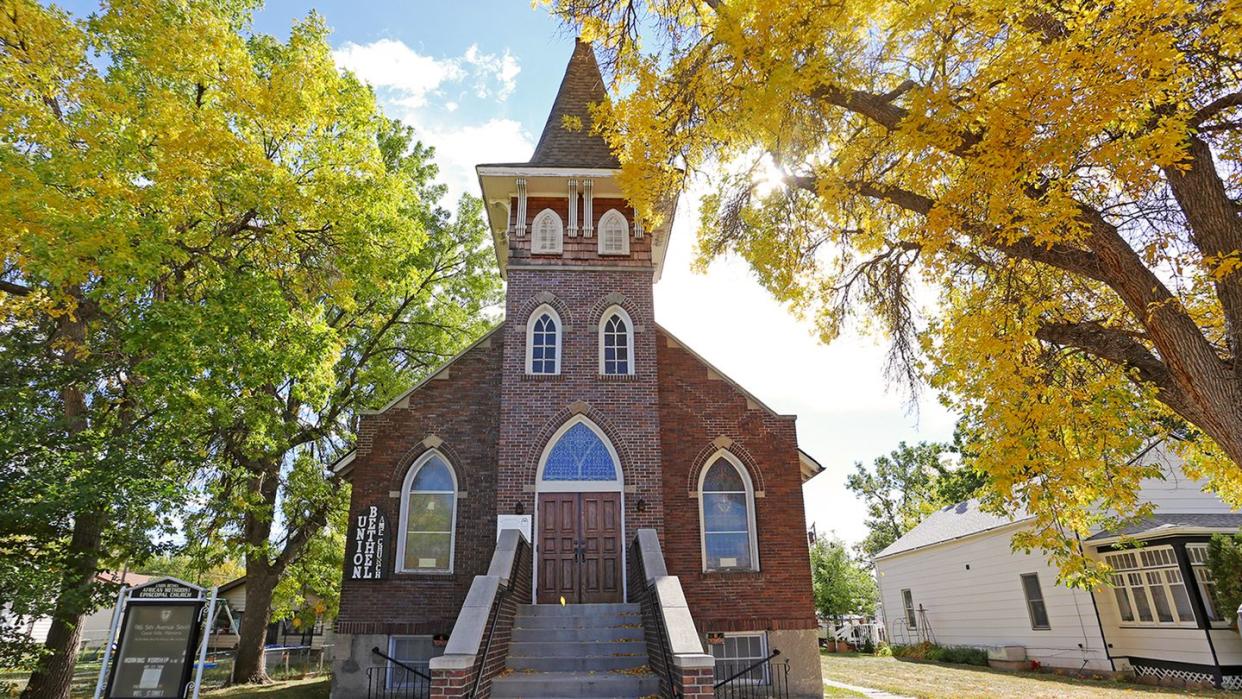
366	545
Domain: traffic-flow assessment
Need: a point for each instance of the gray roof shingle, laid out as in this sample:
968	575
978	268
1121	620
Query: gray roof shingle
1155	523
564	147
948	523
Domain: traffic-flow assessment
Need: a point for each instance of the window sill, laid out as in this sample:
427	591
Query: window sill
414	574
540	377
736	572
1170	627
618	377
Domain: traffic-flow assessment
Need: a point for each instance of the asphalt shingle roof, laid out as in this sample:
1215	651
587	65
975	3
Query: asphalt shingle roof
948	523
1153	524
560	146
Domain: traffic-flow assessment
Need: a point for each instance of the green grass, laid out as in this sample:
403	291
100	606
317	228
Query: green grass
309	688
830	691
929	680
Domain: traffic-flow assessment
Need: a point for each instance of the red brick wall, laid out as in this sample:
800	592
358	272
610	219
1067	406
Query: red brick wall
462	410
697	407
624	407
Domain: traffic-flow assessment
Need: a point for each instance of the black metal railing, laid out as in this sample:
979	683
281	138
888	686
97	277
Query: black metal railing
504	595
396	680
763	678
651	609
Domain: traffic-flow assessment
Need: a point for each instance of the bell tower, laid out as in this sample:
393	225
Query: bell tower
579	336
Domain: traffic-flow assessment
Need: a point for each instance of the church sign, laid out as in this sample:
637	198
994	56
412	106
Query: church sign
368	538
161	626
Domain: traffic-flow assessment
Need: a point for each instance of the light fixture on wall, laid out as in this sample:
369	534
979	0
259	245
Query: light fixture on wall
640	506
519	509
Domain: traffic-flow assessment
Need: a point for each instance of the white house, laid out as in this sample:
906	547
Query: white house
954	580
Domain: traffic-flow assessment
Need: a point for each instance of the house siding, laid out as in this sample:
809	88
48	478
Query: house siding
985	606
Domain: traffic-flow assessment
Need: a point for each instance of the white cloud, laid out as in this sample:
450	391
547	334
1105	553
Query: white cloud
391	65
410	78
460	148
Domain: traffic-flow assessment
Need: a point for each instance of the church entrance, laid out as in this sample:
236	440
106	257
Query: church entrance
579	522
579	548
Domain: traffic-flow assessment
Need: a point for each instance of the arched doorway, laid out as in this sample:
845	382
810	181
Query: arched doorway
579	518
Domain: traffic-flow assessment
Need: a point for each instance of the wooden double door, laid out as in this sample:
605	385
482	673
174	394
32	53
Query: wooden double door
580	548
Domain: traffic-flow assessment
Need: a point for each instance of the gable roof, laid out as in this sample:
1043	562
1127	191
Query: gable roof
949	523
1161	524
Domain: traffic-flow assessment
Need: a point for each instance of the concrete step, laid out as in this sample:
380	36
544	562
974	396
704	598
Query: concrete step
572	649
575	684
577	609
605	633
578	622
582	663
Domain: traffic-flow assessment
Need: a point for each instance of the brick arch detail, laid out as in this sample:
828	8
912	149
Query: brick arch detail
530	464
737	450
396	477
544	297
607	301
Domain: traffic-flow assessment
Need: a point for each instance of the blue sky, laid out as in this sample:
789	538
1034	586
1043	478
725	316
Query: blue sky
476	80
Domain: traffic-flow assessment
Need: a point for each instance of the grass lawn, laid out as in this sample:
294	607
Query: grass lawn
309	688
936	680
841	692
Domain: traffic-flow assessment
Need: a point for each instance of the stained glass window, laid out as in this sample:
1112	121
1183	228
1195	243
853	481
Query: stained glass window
616	339
543	345
726	518
430	506
579	455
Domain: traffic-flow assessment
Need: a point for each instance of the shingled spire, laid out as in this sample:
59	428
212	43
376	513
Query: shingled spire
562	146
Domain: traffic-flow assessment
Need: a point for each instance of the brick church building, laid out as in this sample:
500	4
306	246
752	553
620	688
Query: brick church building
660	541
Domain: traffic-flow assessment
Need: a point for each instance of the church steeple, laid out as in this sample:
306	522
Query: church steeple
574	144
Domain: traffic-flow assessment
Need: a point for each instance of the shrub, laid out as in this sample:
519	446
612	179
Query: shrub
868	646
884	650
962	655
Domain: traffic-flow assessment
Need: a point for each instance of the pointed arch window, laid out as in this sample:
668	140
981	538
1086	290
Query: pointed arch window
616	342
543	342
546	233
727	515
579	454
428	516
614	234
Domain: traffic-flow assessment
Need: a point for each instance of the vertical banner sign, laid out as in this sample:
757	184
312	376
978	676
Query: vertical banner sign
367	549
155	653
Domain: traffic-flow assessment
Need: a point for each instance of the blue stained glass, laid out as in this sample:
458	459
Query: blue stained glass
579	455
433	476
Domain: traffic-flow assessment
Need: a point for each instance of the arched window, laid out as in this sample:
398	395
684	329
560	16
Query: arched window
614	234
543	342
727	510
428	516
579	458
546	232
616	342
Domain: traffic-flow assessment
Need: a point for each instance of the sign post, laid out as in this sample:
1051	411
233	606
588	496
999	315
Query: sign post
160	624
209	624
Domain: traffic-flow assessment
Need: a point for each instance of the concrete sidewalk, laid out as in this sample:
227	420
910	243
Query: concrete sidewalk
866	691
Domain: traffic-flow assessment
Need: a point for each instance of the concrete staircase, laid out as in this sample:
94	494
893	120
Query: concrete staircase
578	650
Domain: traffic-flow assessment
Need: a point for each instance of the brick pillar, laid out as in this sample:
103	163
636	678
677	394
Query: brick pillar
451	683
697	682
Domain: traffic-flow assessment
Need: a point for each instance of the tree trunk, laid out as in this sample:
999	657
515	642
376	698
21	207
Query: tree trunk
248	666
52	678
262	574
54	674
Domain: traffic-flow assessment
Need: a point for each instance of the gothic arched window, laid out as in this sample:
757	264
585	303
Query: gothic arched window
727	511
428	516
543	342
579	454
614	234
616	342
546	233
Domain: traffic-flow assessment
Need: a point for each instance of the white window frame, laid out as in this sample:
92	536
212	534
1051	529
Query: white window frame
1136	568
1197	554
629	339
613	214
763	649
392	653
907	603
530	339
617	484
750	512
405	513
536	244
1030	603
